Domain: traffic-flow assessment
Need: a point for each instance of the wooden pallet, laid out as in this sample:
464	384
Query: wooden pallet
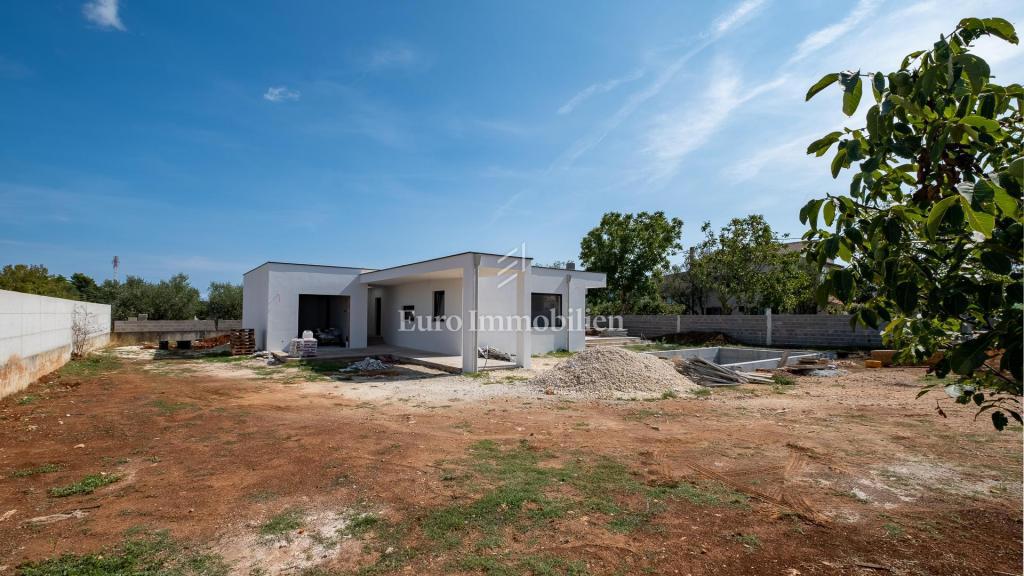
243	341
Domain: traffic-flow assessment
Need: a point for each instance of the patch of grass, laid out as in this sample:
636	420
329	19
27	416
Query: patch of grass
318	369
149	554
282	523
26	400
563	353
701	392
168	408
892	530
653	347
641	415
86	485
223	356
532	564
519	495
41	469
361	525
783	380
90	366
669	394
514	378
749	540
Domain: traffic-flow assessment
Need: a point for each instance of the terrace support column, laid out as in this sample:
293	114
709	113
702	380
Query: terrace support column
523	290
470	286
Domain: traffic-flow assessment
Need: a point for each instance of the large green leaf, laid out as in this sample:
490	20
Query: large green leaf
826	81
976	68
937	212
980	221
1000	28
851	95
986	124
821	145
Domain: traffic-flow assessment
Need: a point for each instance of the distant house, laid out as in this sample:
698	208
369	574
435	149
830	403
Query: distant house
452	305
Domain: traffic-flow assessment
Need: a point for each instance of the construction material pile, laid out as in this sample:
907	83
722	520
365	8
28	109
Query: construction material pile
711	374
367	364
491	352
243	341
611	372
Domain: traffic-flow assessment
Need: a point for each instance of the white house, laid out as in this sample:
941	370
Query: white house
451	305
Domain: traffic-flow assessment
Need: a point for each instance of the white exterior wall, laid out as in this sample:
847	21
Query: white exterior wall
285	282
255	288
501	301
35	335
421	295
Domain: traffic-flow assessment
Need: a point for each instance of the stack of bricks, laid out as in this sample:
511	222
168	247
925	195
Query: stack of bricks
243	341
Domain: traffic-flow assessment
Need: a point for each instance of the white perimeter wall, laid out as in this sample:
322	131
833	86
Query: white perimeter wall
284	283
35	335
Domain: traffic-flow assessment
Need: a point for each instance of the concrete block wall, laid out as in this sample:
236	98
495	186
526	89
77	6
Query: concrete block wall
35	335
787	330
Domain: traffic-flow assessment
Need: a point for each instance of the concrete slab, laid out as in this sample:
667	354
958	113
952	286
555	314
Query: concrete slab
742	359
446	362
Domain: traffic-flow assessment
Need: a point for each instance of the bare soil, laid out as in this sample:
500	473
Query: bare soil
843	475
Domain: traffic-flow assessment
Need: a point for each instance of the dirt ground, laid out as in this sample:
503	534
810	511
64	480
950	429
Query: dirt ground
283	470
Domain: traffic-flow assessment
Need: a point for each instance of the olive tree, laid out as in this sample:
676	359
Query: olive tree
931	225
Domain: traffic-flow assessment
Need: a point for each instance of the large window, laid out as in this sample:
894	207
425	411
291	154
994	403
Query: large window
546	310
438	304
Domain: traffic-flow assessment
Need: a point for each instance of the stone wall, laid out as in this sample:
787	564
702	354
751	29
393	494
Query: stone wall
782	330
35	335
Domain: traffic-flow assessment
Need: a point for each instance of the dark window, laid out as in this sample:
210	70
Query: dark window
438	303
546	310
409	313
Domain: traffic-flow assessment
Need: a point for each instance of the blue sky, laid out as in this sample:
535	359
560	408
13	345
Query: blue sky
208	137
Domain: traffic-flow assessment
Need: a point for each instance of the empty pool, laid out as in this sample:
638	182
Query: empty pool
744	359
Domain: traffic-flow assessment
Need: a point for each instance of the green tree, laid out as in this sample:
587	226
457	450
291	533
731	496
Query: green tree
745	264
173	299
33	279
86	288
932	221
633	250
224	301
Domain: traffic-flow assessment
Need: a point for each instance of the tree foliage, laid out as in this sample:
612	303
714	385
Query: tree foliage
746	264
33	279
171	299
931	224
224	301
633	250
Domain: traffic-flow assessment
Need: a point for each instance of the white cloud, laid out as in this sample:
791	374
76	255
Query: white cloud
821	38
738	15
583	145
677	134
281	94
104	14
599	88
392	57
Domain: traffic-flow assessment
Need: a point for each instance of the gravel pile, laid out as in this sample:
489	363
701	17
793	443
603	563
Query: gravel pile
610	372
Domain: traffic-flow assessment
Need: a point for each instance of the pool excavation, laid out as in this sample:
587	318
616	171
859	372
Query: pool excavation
741	359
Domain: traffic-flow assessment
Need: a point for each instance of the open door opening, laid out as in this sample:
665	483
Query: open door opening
327	317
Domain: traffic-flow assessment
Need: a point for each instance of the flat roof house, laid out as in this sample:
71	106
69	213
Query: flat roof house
449	306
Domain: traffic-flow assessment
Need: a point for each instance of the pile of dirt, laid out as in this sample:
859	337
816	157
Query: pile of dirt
611	372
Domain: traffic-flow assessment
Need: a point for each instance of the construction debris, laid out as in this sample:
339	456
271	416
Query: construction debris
368	364
710	374
492	353
611	372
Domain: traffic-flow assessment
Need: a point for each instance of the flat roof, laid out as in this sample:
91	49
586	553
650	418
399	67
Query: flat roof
365	270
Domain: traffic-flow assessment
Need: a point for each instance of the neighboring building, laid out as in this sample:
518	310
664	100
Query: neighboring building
423	306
